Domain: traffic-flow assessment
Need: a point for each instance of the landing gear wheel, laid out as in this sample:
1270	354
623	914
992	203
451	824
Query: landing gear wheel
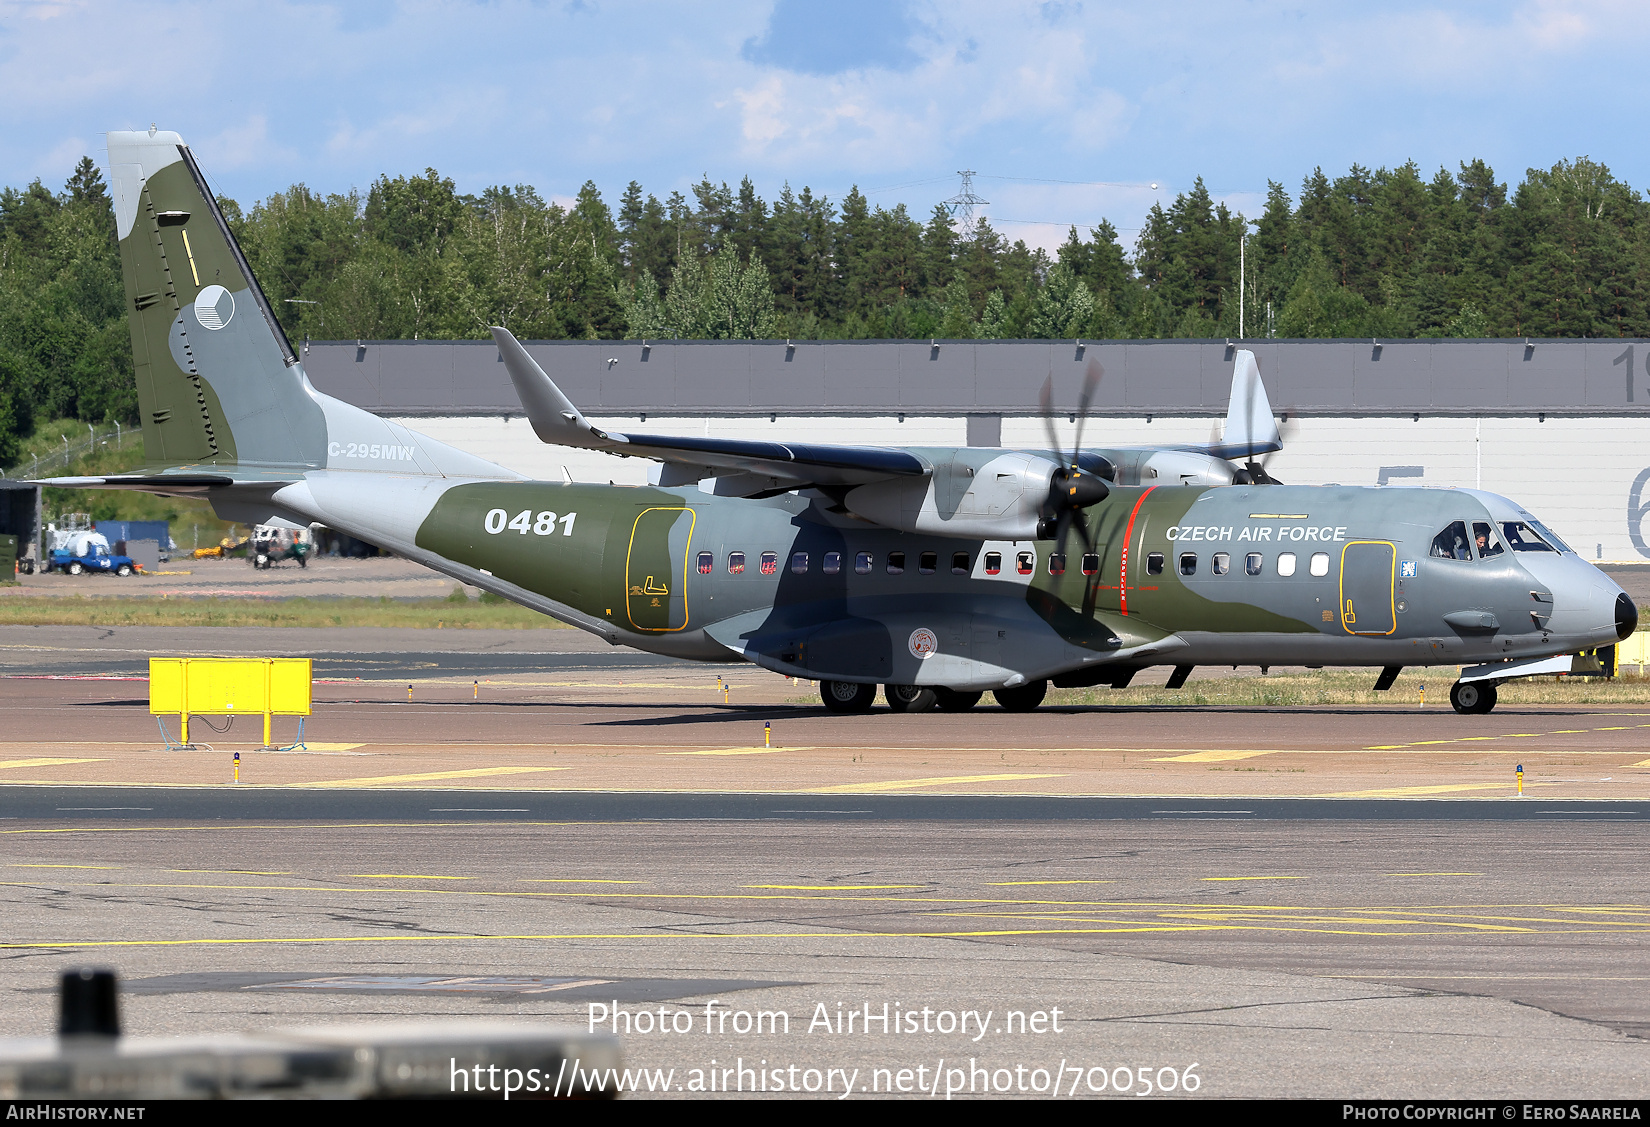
1472	698
1022	699
909	698
123	570
846	696
954	700
76	569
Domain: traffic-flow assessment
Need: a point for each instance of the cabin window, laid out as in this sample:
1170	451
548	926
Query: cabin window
707	563
928	563
1286	563
1320	563
1451	543
1056	564
736	563
1188	563
862	563
832	563
1522	538
1154	563
896	563
770	563
1025	563
799	563
1483	535
993	563
1221	564
959	563
1091	563
1252	563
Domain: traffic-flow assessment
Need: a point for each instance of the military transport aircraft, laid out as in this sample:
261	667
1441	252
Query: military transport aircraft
938	573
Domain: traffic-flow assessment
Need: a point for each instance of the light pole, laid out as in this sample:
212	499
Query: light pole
1243	247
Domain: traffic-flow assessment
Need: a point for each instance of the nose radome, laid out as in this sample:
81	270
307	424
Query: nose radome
1627	616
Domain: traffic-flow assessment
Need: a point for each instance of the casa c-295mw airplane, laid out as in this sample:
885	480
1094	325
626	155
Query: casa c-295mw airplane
938	573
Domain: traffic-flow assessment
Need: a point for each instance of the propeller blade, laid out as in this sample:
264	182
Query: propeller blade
1046	399
1092	372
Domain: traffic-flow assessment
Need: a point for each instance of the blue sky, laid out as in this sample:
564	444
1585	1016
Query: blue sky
1069	111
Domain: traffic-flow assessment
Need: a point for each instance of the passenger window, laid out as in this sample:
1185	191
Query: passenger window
1451	543
928	563
1091	563
1025	562
770	563
736	562
896	563
707	563
799	563
1221	564
862	563
1154	563
1483	535
993	563
959	563
1320	563
1286	563
1188	563
1522	538
833	563
1252	563
1056	564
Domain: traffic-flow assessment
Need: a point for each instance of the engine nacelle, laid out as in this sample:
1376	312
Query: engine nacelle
978	493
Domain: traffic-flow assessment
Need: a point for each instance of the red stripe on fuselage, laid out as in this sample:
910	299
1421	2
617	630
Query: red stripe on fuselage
1123	565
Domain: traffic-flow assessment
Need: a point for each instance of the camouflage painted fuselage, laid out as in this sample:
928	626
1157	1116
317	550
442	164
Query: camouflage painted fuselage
651	568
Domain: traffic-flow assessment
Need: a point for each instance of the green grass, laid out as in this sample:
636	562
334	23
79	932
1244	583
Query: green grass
1318	687
447	613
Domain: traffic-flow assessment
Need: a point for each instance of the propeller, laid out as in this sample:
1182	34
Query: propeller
1072	488
1254	470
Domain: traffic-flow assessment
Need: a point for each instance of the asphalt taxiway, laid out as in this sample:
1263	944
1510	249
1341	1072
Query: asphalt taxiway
1340	902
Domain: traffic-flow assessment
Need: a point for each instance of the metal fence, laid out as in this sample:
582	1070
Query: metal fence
116	437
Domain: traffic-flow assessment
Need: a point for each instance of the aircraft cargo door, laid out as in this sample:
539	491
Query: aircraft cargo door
656	569
1368	570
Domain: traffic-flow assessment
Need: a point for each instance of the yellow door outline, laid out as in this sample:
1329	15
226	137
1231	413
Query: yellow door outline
651	587
1349	617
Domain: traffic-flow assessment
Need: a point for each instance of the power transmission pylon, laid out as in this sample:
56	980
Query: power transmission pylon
965	201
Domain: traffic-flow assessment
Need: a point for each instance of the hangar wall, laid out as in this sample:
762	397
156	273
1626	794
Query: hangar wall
1563	427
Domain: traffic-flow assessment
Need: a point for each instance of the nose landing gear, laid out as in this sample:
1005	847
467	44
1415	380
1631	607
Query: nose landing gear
1472	697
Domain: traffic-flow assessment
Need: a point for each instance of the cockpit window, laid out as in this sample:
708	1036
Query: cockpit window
1451	543
1550	537
1483	537
1522	538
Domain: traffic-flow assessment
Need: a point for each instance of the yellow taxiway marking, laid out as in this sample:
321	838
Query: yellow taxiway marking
908	784
738	751
429	776
62	866
7	764
1211	756
1640	763
1400	792
1253	878
1017	883
1511	736
830	887
406	876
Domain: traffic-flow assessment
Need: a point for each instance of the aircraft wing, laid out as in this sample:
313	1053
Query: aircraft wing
788	465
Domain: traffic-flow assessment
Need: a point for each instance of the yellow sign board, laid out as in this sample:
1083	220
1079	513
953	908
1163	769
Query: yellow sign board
223	686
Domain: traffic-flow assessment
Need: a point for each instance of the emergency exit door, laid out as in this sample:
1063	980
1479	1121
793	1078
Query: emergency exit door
1368	571
656	569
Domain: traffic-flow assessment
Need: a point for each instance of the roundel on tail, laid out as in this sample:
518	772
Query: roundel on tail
214	306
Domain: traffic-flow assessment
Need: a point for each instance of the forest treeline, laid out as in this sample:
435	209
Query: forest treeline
1386	253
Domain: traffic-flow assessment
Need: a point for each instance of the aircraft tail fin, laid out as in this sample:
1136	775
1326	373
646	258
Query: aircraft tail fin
1250	427
217	380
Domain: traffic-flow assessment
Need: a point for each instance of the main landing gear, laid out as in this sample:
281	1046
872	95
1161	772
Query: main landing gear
1472	697
847	696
